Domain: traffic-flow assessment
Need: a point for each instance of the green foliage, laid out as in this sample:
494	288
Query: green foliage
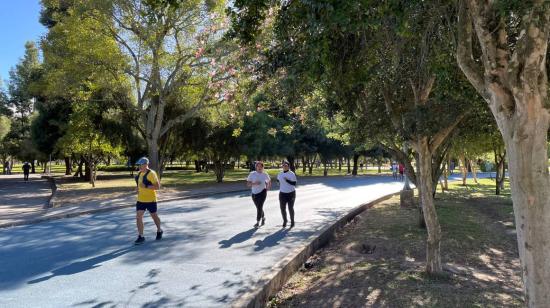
5	125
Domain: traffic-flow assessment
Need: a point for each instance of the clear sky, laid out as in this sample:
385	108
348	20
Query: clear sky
18	24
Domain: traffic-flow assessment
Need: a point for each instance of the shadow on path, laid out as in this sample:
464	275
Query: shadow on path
81	266
270	240
237	238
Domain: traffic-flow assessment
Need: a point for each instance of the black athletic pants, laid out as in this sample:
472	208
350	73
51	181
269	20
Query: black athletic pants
259	200
284	199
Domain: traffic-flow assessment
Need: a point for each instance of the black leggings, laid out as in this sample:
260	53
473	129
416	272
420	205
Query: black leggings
259	200
289	198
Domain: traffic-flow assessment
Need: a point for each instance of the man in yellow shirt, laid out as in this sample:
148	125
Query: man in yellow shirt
147	186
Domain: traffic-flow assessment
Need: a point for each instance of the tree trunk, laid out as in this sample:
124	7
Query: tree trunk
349	164
446	175
79	172
33	170
499	167
219	170
87	171
68	166
433	252
304	165
325	170
292	163
340	164
153	151
463	168
355	163
474	170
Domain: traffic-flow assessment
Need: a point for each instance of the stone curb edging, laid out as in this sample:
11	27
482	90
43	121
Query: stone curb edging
107	209
285	268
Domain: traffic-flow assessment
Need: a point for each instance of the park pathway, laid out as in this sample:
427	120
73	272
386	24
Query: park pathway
20	199
210	254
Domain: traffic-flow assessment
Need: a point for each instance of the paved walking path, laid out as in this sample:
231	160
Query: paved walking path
13	213
210	254
20	199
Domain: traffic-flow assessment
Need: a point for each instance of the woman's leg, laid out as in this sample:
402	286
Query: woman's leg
263	196
282	204
291	199
255	199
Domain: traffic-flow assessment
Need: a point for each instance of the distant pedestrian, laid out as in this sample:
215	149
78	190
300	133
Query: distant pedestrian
394	170
260	182
287	192
401	172
26	170
147	185
452	167
6	167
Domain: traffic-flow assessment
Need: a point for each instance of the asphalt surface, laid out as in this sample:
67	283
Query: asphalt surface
19	199
209	256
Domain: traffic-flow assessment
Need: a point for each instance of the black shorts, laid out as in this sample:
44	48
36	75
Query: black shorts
149	206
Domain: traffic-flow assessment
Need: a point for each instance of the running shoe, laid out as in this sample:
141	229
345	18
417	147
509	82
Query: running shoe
159	235
140	240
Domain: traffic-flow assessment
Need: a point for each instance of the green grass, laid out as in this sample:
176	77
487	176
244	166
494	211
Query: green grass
478	241
176	178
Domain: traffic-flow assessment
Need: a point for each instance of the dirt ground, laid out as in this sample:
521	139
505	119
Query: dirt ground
377	260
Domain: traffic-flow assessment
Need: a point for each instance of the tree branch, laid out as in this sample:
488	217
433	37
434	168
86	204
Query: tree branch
464	54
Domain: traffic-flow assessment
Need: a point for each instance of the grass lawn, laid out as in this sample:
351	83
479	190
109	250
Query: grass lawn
478	248
174	178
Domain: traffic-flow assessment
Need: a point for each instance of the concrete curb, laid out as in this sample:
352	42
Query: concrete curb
284	269
108	208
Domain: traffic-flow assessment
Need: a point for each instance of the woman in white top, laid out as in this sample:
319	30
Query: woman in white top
260	182
287	192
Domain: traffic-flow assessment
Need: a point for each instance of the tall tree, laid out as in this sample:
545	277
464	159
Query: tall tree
172	55
502	49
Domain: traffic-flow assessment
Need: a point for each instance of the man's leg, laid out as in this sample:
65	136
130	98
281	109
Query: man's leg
156	219
139	221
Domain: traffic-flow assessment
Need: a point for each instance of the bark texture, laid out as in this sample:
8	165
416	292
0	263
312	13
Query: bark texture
514	83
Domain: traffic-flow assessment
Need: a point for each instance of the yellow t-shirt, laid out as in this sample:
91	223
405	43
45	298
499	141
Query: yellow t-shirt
147	194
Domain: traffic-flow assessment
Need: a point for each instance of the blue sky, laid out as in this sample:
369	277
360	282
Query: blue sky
18	24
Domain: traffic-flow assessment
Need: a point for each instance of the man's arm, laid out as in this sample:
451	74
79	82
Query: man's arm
155	181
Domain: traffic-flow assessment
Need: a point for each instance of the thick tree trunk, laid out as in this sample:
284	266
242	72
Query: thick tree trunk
530	182
79	172
349	164
513	80
87	171
355	164
33	167
433	250
68	166
219	170
325	170
292	163
304	165
153	151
